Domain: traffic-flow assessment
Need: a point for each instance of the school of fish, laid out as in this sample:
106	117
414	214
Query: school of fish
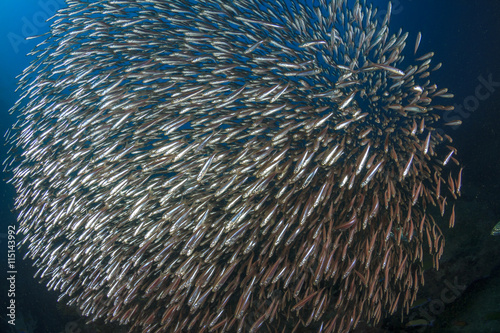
243	166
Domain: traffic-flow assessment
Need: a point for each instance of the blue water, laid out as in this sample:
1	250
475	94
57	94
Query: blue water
465	36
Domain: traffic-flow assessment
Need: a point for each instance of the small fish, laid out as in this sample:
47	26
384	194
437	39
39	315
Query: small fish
417	323
454	123
417	42
348	100
425	56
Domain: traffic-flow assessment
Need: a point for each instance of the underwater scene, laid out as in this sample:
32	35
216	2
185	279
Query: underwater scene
250	166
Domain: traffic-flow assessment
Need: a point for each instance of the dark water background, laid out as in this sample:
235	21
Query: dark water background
465	35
